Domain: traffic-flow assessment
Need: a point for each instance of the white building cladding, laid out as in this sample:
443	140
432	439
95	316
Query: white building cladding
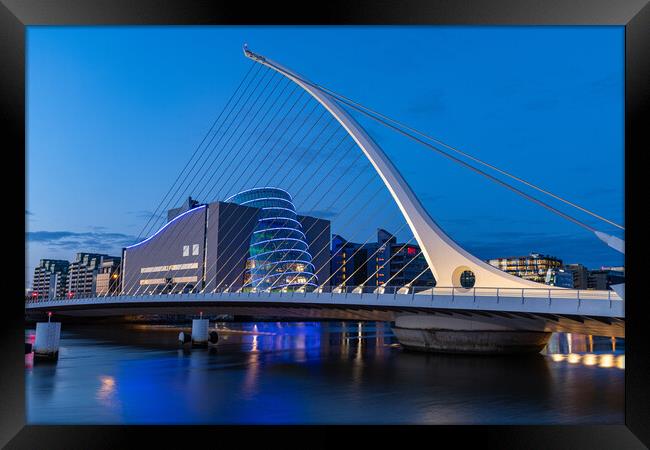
201	248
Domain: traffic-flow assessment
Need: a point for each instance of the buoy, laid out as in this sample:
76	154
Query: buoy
184	338
214	337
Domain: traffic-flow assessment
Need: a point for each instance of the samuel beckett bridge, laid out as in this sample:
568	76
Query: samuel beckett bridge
285	156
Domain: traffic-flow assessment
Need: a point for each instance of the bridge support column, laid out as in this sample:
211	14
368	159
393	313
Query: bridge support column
200	332
440	334
46	343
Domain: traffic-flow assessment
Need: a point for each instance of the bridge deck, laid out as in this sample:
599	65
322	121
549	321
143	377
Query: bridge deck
603	313
597	303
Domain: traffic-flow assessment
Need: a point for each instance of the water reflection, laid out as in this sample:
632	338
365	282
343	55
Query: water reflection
329	372
566	343
606	360
591	351
107	390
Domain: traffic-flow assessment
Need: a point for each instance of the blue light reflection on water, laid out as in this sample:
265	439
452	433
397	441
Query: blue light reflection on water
330	372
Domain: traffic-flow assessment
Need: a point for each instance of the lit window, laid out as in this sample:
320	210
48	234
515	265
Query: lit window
186	250
195	249
467	279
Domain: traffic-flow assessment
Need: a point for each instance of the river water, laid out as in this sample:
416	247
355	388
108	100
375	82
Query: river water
316	373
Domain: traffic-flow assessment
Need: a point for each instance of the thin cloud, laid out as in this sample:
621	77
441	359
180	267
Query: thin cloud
80	241
565	247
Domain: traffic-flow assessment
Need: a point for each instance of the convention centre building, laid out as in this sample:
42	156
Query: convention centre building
254	240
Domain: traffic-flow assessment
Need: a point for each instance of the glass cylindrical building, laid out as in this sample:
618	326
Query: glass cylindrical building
279	257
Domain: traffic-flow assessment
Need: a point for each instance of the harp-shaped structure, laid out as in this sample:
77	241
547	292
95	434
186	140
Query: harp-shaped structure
448	261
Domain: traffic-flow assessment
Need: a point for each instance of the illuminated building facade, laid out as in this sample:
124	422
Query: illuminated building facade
82	274
50	279
201	247
396	264
225	245
580	275
384	263
603	279
279	255
348	263
559	277
532	267
108	278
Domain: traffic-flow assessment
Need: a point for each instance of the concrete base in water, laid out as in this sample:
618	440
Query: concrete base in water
200	333
42	356
479	342
453	335
46	341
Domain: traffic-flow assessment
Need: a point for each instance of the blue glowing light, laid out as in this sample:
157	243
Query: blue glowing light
281	250
263	272
278	218
257	189
292	272
167	225
294	284
279	228
266	198
280	240
286	261
280	207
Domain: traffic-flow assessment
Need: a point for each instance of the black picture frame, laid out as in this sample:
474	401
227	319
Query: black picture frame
15	15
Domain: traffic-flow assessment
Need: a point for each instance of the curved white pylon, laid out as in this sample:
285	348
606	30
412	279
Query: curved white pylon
445	257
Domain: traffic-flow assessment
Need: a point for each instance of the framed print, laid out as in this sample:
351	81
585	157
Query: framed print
268	223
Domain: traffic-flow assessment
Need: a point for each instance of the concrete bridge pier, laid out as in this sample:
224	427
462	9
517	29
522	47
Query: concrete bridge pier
200	332
46	343
432	333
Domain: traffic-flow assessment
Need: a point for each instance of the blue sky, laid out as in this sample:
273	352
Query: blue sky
114	113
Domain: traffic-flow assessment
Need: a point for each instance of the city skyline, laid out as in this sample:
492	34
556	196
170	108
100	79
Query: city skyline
138	73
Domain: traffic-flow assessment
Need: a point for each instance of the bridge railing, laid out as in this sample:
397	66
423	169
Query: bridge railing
438	291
